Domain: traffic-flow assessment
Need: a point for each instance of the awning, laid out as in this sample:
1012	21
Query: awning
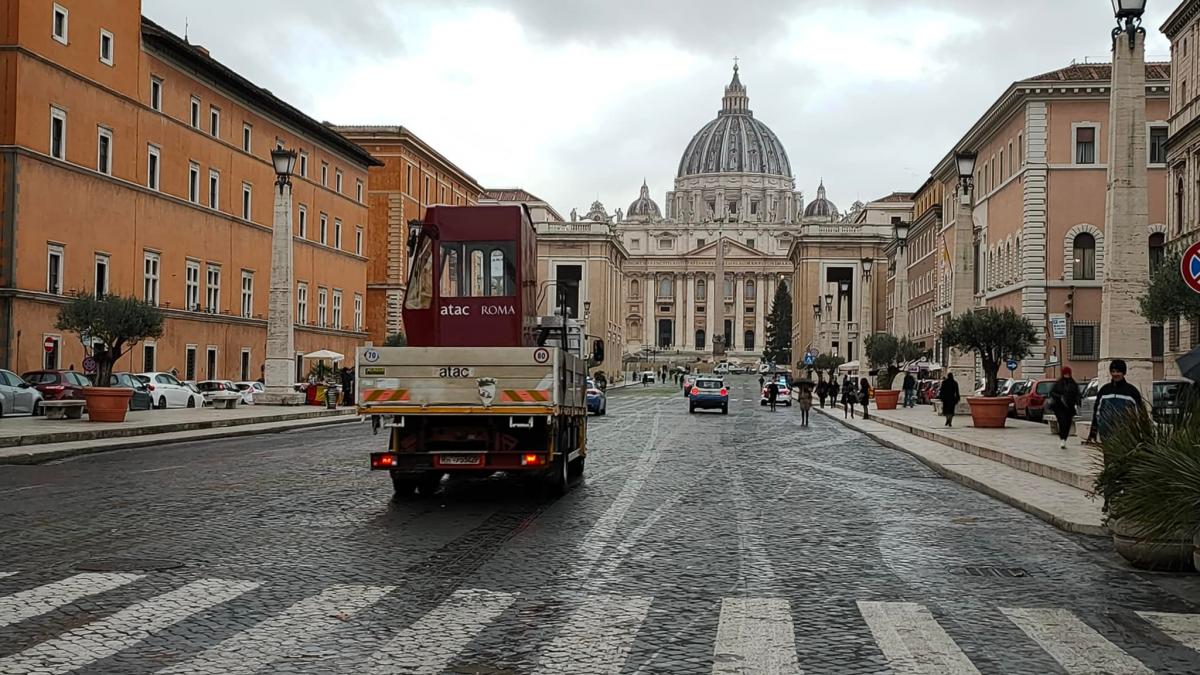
850	367
325	354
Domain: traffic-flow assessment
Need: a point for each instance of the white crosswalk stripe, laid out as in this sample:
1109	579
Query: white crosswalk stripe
597	637
1182	627
755	635
913	641
35	601
1074	644
252	649
429	646
7	574
105	637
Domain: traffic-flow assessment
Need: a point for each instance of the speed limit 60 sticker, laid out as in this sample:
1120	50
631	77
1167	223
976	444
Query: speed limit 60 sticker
541	355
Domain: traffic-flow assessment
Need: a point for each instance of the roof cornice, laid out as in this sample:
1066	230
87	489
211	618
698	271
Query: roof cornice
1179	18
395	132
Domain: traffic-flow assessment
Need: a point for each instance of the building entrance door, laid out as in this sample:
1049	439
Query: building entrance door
666	333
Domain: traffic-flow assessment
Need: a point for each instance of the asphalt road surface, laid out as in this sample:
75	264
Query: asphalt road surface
695	544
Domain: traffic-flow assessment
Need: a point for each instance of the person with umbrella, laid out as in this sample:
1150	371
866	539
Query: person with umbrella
804	398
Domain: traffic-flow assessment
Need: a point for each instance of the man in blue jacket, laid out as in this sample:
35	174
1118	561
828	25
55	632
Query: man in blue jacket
1113	401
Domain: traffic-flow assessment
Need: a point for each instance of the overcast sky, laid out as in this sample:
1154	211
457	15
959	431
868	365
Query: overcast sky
578	99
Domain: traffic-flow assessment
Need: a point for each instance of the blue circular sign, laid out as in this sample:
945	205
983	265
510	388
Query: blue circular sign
1189	266
1012	364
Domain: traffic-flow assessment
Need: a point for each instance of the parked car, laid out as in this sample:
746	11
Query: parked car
168	392
1001	384
250	390
18	396
58	385
1012	389
721	369
785	392
647	376
1088	398
597	401
708	393
1168	398
211	388
1031	404
141	399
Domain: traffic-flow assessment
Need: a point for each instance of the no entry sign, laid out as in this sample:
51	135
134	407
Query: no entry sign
49	344
1189	267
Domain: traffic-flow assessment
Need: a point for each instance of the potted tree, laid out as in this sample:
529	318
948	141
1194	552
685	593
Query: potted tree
887	354
110	326
994	335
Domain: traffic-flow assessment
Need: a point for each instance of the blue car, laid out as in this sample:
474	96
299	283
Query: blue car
597	402
708	393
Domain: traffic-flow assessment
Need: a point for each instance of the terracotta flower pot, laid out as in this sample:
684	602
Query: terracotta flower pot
885	399
107	404
988	412
1177	553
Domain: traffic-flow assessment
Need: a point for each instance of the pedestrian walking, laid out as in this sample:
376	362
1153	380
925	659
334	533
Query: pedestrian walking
822	389
948	395
1063	402
645	379
910	390
804	400
1113	401
864	394
833	391
772	394
762	382
849	398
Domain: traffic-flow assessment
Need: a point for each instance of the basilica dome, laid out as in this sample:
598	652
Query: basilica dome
735	142
644	206
821	207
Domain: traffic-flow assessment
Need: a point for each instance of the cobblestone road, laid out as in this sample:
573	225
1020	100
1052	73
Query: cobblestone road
696	544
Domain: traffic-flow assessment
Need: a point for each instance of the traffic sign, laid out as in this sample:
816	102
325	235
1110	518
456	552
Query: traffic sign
1058	326
1012	364
808	359
49	344
1189	267
89	365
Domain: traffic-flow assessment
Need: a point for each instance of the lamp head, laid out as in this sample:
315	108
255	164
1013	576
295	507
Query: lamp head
1128	9
966	163
284	162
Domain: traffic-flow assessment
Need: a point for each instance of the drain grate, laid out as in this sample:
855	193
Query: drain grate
127	565
990	571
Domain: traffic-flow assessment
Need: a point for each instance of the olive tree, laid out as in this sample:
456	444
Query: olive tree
110	326
995	335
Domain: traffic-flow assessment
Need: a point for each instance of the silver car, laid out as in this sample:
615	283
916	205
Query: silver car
1088	398
18	396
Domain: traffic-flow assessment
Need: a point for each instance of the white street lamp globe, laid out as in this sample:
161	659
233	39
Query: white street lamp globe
1125	9
284	161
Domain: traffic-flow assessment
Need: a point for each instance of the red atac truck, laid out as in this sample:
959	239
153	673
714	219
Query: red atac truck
481	387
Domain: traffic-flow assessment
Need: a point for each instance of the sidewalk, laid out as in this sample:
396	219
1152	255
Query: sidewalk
33	440
1021	464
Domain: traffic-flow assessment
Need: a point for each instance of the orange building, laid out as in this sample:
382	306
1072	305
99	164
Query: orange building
133	163
411	176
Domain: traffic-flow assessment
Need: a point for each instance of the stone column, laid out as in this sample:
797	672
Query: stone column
843	316
760	311
649	329
689	326
278	372
962	297
1124	332
739	291
901	290
865	307
678	341
711	302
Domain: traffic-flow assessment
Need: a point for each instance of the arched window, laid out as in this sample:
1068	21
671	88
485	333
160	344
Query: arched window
1179	206
729	287
451	272
635	289
701	292
749	341
497	273
748	289
700	336
666	288
1084	250
1158	242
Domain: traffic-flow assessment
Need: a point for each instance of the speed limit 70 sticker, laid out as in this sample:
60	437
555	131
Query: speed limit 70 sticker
541	355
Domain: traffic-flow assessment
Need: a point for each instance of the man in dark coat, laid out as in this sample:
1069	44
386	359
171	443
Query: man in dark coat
822	390
948	395
1114	400
910	389
347	386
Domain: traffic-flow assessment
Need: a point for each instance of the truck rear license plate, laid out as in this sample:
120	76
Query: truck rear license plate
460	460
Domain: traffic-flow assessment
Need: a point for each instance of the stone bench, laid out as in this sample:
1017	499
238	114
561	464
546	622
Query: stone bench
63	410
225	401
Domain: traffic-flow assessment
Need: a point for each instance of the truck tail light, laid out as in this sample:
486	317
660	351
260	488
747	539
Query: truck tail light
532	460
383	460
724	391
695	390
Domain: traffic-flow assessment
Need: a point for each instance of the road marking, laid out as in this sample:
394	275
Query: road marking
27	487
597	637
260	646
27	604
1076	646
428	646
1184	628
6	574
912	640
101	639
755	635
165	468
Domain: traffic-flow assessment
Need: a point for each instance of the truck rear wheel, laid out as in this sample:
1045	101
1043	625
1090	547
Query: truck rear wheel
575	468
558	480
428	484
404	485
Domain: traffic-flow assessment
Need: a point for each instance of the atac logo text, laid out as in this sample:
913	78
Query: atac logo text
485	310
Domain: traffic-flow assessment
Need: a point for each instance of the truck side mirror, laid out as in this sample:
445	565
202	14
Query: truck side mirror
598	351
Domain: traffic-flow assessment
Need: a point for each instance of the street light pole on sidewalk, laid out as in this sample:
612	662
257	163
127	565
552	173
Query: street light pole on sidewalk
962	298
281	341
1124	332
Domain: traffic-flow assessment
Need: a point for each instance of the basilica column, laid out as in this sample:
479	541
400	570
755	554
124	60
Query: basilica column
710	310
677	341
689	326
649	289
760	312
739	292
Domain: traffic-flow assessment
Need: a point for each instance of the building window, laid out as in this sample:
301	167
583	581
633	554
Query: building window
58	133
195	113
247	200
245	370
302	303
1158	242
1085	145
210	363
214	189
700	337
358	186
324	233
750	243
700	242
193	182
408	180
322	305
1179	215
212	289
247	138
337	233
1156	341
189	362
104	147
324	174
1158	145
150	278
191	287
100	283
156	86
748	345
635	244
214	121
54	269
1173	335
303	221
337	181
337	309
152	164
304	165
358	240
247	294
59	30
664	244
666	288
1085	341
1084	257
358	312
149	352
748	290
106	47
701	290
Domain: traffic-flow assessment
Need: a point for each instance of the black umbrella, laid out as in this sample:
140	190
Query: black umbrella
1189	364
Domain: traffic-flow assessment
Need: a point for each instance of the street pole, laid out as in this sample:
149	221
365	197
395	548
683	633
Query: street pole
281	343
900	230
962	299
844	321
1124	332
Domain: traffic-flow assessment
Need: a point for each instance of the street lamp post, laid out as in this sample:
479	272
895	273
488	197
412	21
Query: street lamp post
829	317
866	320
817	337
1124	332
962	298
900	233
281	342
844	320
